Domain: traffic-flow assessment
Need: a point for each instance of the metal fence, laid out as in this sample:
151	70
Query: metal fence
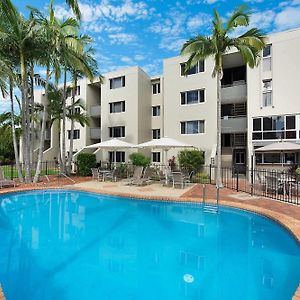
47	168
276	184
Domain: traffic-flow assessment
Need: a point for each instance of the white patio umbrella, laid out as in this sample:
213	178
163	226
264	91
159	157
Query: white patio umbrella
113	145
164	144
281	147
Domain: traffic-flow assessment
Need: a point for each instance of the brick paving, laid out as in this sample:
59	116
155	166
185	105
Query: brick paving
1	294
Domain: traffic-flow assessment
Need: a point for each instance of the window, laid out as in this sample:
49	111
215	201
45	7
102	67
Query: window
118	82
274	127
156	157
117	107
77	110
192	97
155	134
267	58
267	50
257	124
117	132
267	93
156	88
275	158
120	156
76	134
198	68
192	127
156	111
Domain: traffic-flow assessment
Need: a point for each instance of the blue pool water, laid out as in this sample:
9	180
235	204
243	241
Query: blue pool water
69	245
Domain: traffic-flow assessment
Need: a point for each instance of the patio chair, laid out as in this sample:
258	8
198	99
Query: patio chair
95	173
273	185
110	175
178	179
188	177
145	179
137	174
5	182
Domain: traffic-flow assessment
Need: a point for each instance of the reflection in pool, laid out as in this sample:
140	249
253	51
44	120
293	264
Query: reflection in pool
67	245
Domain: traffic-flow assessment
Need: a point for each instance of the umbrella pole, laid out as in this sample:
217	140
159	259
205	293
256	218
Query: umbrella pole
166	166
115	158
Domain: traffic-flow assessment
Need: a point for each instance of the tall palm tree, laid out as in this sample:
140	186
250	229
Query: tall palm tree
59	39
55	110
222	39
17	40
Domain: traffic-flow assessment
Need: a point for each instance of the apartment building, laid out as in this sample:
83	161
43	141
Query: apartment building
259	106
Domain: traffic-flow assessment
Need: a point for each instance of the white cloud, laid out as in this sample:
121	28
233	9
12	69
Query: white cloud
106	9
139	57
126	59
198	21
288	18
122	38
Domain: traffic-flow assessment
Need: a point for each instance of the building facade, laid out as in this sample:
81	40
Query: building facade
259	106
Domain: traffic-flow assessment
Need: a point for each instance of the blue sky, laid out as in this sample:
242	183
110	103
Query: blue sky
139	32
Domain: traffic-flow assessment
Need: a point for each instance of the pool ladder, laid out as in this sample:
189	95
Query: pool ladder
210	207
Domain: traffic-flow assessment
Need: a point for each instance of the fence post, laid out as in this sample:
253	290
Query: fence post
237	181
252	178
12	171
210	174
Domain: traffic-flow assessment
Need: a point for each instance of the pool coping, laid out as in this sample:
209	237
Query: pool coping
284	220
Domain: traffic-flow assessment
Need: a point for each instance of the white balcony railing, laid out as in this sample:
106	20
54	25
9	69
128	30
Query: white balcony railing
95	133
95	110
235	124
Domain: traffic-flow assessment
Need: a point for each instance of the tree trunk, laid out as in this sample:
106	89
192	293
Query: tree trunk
13	128
25	117
31	135
70	157
219	183
63	141
43	131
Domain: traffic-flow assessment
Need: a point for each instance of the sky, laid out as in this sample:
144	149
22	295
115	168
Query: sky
139	32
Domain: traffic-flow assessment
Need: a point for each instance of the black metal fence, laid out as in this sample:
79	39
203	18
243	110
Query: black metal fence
276	184
47	168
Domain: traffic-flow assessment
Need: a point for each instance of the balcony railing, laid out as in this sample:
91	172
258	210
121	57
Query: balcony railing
234	124
236	90
95	110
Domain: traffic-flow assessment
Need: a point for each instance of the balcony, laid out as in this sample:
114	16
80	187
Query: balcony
48	135
236	90
95	133
95	110
234	124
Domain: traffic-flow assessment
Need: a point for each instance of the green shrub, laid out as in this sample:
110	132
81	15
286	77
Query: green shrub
85	161
202	178
298	171
139	159
191	160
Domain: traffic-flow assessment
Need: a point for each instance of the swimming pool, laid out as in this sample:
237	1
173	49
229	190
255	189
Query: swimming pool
67	245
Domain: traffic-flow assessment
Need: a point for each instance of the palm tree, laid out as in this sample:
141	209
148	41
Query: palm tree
59	38
222	39
17	40
7	78
75	7
55	111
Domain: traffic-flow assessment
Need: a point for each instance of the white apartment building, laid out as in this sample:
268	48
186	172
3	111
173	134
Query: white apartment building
259	106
